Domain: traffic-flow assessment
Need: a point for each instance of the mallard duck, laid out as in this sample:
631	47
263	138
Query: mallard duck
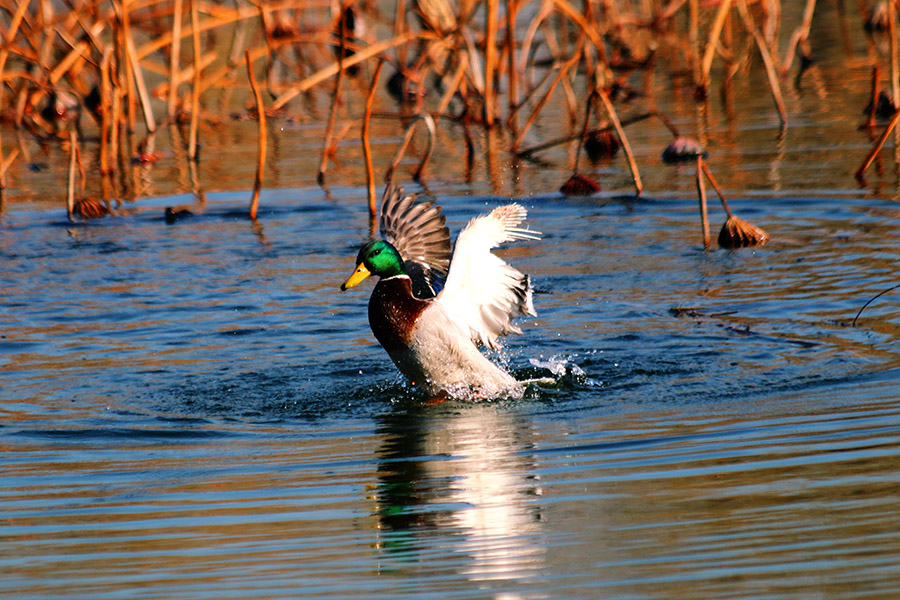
431	313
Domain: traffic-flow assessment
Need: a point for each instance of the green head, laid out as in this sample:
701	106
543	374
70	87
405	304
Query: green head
376	258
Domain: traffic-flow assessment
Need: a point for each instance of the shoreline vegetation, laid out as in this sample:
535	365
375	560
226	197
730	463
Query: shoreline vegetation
115	73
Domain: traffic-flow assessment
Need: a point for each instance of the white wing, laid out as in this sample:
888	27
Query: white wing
483	294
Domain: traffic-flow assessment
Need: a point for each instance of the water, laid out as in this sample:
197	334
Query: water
195	411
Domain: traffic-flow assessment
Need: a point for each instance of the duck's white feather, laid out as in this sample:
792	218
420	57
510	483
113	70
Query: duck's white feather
483	294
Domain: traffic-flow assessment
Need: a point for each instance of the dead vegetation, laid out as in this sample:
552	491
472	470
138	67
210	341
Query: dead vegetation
127	69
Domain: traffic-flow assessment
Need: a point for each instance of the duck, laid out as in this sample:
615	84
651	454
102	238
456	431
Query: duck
432	310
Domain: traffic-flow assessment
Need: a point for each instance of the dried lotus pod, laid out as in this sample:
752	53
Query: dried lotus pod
683	149
601	144
579	185
89	208
738	233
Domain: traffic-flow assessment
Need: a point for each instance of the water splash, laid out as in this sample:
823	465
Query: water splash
563	370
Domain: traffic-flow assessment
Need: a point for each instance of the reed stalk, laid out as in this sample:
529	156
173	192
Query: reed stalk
104	112
563	69
2	176
70	188
694	41
512	10
195	91
767	59
174	59
115	116
714	33
410	130
332	69
490	59
453	87
261	154
895	69
800	35
632	164
878	144
701	194
336	98
367	150
129	81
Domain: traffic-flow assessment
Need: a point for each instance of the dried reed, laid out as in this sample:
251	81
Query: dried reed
261	155
367	150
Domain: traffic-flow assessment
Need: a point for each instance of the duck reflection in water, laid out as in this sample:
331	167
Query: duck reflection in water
465	470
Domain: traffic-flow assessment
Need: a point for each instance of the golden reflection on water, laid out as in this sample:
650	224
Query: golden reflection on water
468	472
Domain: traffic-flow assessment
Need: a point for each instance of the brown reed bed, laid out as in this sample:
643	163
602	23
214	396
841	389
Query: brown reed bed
488	64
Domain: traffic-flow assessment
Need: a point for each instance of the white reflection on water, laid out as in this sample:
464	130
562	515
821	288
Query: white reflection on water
465	471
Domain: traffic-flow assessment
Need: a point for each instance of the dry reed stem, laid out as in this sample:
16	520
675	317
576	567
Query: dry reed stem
432	132
584	129
336	98
261	155
490	59
800	35
714	33
367	150
146	109
715	185
185	75
877	147
669	11
8	161
68	60
195	91
3	177
591	32
543	101
563	140
70	188
873	105
174	58
895	69
694	40
333	68
767	59
512	10
399	26
569	93
126	77
701	193
545	11
11	32
104	111
221	16
632	164
115	116
475	72
453	87
80	163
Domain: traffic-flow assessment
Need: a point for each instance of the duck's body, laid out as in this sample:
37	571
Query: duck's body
432	335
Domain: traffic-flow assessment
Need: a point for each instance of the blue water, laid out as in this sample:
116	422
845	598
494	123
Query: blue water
196	411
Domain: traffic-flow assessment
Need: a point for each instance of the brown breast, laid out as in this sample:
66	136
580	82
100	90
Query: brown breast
393	312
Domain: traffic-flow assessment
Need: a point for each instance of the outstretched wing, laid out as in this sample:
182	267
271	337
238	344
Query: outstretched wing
483	294
419	233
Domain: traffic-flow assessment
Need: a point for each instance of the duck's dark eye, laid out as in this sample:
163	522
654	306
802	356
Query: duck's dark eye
376	252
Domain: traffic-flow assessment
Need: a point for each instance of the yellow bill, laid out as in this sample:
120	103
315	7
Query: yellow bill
359	274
